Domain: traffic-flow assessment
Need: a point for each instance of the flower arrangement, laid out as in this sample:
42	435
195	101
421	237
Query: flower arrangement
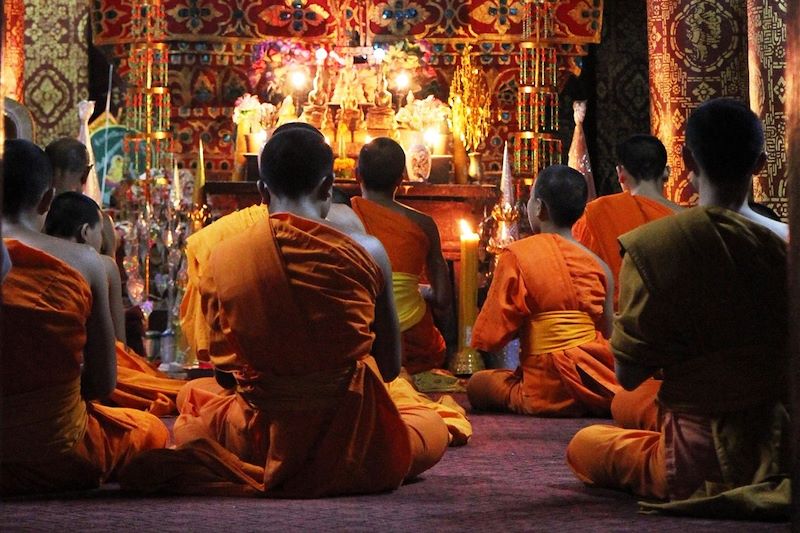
274	60
405	56
251	115
343	167
422	115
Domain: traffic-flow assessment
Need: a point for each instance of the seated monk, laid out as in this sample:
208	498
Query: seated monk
58	350
297	310
199	246
198	332
689	308
642	170
556	295
77	218
412	241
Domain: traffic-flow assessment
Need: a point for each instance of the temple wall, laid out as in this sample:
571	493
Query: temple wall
767	67
697	51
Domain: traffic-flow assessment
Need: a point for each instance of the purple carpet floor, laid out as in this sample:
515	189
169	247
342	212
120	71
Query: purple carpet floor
511	477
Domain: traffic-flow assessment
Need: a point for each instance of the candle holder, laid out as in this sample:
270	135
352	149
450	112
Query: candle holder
467	360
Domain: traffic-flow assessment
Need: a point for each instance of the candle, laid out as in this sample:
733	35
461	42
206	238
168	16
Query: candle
506	179
467	285
200	182
177	193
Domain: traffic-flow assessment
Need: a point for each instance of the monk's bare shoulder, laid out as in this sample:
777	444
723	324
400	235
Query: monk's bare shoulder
345	219
374	247
81	257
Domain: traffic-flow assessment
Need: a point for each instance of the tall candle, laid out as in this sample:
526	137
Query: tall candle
200	182
177	193
467	285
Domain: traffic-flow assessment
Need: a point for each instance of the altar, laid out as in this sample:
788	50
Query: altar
447	204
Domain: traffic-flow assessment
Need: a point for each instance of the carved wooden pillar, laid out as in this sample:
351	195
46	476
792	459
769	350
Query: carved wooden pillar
766	37
697	51
13	53
793	176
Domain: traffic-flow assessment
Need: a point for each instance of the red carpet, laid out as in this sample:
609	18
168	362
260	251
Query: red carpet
511	477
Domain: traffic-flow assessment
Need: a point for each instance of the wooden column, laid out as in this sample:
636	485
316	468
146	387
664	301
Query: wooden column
697	51
793	178
766	39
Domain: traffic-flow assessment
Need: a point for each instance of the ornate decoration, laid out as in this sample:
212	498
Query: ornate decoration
499	13
55	76
194	14
398	16
296	16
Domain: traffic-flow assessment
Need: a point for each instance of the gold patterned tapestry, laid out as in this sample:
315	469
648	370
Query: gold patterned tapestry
767	67
13	57
697	51
56	65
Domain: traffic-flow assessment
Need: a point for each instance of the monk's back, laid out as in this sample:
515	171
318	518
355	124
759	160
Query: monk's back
574	280
404	240
45	306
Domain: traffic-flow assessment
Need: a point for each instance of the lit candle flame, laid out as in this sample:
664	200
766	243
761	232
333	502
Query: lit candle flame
466	229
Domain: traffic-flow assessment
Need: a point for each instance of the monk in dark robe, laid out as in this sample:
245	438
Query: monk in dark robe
58	350
704	302
77	218
555	295
642	171
302	315
412	241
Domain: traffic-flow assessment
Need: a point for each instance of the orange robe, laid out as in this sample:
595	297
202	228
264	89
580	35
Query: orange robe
407	246
291	303
720	342
198	250
53	440
551	293
604	221
140	386
198	332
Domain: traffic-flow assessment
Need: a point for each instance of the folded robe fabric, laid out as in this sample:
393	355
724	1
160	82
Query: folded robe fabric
607	218
551	293
140	386
198	250
51	438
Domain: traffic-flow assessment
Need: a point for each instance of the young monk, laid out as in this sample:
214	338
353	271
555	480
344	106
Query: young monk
70	161
556	295
704	300
642	171
412	241
76	217
200	244
298	309
58	350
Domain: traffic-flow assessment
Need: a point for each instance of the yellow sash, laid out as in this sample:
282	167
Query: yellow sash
39	425
557	330
410	304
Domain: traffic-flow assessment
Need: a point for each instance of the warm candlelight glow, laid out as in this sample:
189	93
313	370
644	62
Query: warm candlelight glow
402	81
298	79
321	54
467	284
367	139
200	181
379	54
464	227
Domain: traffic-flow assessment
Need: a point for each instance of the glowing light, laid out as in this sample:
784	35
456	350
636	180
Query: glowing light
379	54
321	54
367	139
466	229
327	140
430	136
261	138
402	81
298	79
